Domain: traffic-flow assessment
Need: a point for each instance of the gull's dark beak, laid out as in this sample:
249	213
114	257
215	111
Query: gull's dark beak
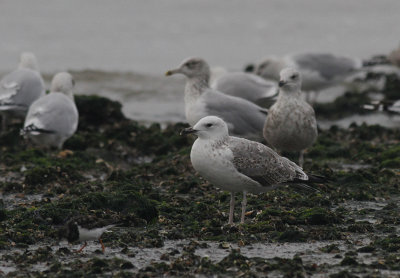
188	130
281	83
171	72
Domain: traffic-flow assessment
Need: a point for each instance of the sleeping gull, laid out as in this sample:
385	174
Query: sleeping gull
244	118
53	118
240	165
20	88
248	86
291	124
319	70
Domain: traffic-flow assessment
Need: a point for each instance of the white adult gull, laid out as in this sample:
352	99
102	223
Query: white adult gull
244	118
20	88
291	125
319	70
239	165
248	86
53	118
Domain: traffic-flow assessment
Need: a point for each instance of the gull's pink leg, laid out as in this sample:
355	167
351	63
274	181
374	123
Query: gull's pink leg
244	203
231	208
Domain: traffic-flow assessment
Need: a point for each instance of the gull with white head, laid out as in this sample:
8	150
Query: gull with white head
291	125
319	70
20	88
244	118
239	165
53	118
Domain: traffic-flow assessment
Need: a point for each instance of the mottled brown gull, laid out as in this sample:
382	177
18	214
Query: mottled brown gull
53	118
20	88
291	125
244	118
240	165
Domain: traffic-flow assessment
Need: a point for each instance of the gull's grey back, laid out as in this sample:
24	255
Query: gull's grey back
245	85
329	66
29	86
244	118
55	112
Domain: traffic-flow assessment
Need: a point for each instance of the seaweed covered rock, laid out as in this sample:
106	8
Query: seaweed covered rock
96	111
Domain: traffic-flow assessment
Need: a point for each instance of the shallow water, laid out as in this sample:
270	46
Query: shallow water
152	36
149	98
135	42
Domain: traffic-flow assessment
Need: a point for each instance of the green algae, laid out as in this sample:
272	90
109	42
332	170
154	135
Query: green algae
348	104
165	199
390	243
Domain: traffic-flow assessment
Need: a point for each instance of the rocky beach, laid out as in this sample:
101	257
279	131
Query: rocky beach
171	222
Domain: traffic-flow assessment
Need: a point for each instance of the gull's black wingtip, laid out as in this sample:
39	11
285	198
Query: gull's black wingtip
317	179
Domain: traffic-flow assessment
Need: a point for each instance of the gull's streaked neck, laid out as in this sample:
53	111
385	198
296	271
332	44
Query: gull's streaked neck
215	141
196	85
289	92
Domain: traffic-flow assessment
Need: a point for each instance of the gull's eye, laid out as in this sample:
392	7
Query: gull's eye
294	76
191	65
209	125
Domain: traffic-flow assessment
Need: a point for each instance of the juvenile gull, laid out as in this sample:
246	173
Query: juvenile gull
20	88
248	86
319	70
239	165
244	118
291	124
53	118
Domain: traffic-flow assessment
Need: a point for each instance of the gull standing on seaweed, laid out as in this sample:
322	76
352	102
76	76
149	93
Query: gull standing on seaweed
84	229
319	70
248	86
291	125
53	118
244	118
20	88
240	165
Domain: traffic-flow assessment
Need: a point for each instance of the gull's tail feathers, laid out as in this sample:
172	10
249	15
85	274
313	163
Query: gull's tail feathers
35	130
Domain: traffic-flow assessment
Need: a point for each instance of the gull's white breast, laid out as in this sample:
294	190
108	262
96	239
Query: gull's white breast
215	164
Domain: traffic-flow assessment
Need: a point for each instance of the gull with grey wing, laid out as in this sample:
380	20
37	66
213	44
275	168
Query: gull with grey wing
240	165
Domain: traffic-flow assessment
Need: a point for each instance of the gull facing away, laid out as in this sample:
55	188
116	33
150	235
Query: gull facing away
53	118
319	70
291	125
240	165
244	118
20	88
248	86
